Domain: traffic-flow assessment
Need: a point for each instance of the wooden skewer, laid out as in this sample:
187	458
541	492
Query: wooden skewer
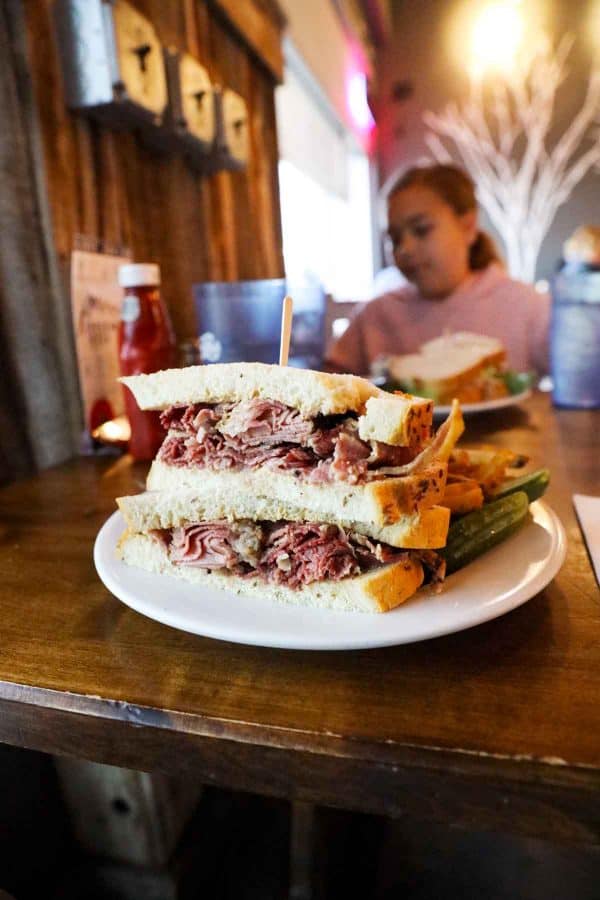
286	330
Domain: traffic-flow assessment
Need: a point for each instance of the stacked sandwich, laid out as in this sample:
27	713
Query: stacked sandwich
463	365
298	486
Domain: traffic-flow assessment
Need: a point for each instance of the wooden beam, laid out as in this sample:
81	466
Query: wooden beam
259	23
533	799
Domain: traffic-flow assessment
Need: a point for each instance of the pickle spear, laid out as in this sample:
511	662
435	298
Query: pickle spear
534	484
482	529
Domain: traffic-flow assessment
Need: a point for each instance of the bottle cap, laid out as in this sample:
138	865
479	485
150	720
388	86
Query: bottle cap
139	274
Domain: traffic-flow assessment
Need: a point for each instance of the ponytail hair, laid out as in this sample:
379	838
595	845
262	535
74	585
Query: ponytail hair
483	252
457	190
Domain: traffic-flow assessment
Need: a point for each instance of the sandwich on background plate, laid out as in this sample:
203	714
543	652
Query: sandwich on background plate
299	486
462	365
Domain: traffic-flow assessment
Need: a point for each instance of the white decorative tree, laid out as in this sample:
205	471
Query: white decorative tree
504	134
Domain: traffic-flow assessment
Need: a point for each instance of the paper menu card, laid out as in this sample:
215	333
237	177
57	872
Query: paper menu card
95	305
588	513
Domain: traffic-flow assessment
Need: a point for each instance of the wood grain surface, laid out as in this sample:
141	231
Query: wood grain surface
112	190
497	725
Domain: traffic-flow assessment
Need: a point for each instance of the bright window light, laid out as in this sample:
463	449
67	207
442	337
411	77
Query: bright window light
358	103
324	185
326	237
339	326
496	36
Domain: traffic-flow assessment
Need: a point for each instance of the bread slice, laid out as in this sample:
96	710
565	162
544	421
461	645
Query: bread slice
445	365
490	350
400	421
151	510
384	501
376	591
438	379
310	392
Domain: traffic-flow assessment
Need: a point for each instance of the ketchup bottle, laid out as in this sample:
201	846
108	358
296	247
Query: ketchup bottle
146	344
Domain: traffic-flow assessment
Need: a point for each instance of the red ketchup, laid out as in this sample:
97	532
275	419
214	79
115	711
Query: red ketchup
146	344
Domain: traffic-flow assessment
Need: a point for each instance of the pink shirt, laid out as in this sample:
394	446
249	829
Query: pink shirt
488	303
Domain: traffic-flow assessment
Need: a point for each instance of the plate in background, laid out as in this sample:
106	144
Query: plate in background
486	405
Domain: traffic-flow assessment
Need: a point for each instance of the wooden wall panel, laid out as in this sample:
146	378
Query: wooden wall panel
264	158
109	188
260	27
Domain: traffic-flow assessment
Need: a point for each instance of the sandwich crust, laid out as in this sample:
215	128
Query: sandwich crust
398	419
310	392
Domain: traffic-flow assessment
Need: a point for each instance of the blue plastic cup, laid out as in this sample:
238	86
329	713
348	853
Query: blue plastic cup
575	336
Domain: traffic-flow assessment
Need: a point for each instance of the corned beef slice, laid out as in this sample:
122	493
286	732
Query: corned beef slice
297	553
216	545
290	553
265	422
259	432
207	545
350	458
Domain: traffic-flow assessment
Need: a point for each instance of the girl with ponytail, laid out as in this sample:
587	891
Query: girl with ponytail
457	281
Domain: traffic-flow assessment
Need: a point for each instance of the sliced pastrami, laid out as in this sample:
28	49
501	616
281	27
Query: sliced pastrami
256	433
290	553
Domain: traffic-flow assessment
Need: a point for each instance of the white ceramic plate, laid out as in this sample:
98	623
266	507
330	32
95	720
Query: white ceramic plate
486	405
497	582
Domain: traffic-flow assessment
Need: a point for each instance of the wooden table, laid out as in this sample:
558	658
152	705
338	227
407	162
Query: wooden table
498	726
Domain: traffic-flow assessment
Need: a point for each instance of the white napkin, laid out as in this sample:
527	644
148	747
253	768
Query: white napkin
588	513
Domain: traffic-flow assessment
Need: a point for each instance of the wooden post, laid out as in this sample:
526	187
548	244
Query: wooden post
127	816
39	374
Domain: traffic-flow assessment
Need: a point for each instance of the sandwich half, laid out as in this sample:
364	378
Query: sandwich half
257	545
299	486
461	365
326	443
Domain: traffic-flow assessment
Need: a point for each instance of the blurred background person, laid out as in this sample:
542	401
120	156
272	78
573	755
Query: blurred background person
456	281
389	278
